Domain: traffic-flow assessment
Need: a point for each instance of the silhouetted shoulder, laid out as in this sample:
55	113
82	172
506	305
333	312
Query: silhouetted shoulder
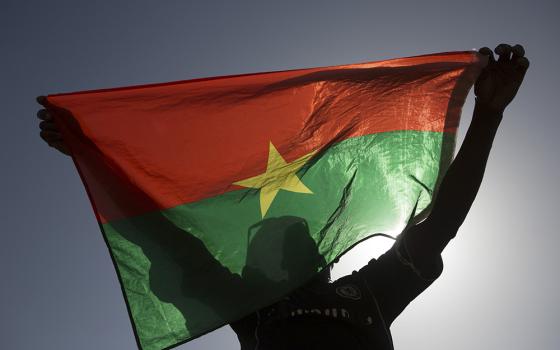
394	281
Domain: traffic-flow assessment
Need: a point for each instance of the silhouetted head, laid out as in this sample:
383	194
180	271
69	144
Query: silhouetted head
282	249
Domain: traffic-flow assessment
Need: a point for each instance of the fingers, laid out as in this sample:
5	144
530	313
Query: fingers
512	55
481	88
522	63
517	52
504	51
519	59
49	131
521	66
43	114
47	122
42	100
50	126
487	52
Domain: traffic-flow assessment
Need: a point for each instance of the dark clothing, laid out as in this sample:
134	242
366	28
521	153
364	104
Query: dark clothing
354	312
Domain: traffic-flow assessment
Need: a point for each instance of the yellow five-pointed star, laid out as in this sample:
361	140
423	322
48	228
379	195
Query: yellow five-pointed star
279	175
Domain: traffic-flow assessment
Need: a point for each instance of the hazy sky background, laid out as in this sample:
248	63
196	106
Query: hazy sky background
58	288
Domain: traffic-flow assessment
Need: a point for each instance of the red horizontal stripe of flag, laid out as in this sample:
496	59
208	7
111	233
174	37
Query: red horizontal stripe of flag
153	147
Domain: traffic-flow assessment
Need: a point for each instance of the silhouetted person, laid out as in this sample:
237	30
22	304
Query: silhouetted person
177	258
356	311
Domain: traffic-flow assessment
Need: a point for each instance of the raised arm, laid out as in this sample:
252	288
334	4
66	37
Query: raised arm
495	89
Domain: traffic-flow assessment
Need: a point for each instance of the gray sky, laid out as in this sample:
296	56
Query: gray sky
59	290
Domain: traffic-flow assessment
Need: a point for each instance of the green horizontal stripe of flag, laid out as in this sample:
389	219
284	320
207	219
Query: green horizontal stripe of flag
195	267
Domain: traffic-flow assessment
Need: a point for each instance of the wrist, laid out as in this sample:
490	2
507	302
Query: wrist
486	113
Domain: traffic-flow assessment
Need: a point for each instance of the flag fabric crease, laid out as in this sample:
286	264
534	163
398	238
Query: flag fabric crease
209	191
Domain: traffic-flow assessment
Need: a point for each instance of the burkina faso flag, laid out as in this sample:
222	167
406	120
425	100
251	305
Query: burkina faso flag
219	196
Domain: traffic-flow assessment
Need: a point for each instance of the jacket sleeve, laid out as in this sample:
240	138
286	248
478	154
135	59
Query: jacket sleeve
394	280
